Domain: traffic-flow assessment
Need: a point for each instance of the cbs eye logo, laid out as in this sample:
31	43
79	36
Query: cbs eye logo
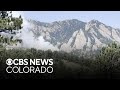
9	61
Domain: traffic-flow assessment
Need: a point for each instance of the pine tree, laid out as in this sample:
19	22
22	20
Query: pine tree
8	22
3	14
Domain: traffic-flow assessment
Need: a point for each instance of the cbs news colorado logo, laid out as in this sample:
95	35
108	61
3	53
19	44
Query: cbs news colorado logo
29	65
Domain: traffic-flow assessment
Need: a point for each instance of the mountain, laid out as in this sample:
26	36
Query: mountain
73	34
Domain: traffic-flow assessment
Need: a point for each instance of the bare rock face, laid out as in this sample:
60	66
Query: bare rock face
73	34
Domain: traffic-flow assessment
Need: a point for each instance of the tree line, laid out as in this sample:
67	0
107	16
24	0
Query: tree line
105	65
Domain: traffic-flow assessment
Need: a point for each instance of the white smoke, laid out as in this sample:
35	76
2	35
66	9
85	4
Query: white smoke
27	36
29	41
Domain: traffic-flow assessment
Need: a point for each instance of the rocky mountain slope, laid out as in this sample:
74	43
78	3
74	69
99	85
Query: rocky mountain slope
73	34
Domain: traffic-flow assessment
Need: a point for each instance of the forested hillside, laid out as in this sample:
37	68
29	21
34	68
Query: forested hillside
67	65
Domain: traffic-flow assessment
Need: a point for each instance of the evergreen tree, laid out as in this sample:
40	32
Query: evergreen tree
8	22
3	14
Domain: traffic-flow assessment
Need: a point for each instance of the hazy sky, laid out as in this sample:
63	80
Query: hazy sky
111	18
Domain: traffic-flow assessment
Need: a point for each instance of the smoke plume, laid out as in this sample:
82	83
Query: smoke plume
27	36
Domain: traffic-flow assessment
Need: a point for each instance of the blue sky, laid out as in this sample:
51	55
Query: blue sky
111	18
